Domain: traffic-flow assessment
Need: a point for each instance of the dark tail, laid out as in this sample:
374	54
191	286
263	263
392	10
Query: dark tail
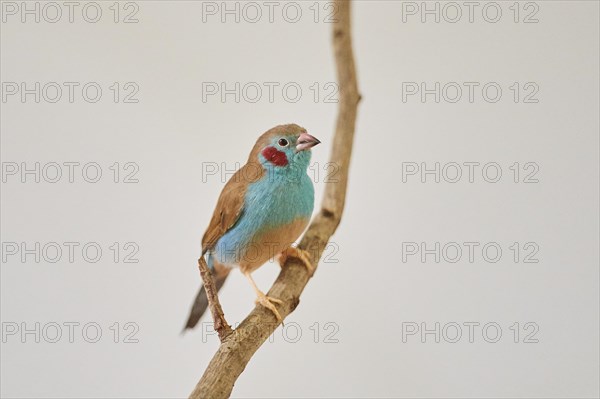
201	302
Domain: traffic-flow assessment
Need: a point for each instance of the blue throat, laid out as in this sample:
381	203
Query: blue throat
282	195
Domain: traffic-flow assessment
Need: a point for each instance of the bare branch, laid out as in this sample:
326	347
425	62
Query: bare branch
237	349
221	326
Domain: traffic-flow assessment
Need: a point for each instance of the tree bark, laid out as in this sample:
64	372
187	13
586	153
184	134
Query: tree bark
238	347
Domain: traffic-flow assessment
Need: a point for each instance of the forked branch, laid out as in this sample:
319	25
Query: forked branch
238	347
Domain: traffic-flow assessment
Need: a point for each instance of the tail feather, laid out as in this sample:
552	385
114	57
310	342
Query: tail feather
200	304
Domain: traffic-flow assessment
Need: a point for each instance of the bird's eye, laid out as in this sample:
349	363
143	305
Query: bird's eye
283	142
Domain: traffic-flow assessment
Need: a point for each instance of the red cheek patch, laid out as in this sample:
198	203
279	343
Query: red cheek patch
275	156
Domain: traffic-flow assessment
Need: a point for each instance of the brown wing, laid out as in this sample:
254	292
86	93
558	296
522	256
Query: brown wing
230	205
231	201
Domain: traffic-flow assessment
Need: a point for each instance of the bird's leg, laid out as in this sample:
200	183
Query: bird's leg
302	255
264	300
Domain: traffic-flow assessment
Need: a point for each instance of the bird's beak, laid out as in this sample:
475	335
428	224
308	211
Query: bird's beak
306	141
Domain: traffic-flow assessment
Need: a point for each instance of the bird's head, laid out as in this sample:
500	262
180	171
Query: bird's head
284	148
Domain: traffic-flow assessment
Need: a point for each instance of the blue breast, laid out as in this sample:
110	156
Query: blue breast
275	200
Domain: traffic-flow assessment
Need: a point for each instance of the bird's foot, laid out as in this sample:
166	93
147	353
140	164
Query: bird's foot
300	254
268	302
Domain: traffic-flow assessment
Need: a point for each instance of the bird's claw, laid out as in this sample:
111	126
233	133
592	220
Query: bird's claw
302	255
267	302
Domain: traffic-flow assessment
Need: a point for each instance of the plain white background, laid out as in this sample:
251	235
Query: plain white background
366	291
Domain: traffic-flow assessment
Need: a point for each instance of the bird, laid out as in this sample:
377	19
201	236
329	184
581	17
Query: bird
261	211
